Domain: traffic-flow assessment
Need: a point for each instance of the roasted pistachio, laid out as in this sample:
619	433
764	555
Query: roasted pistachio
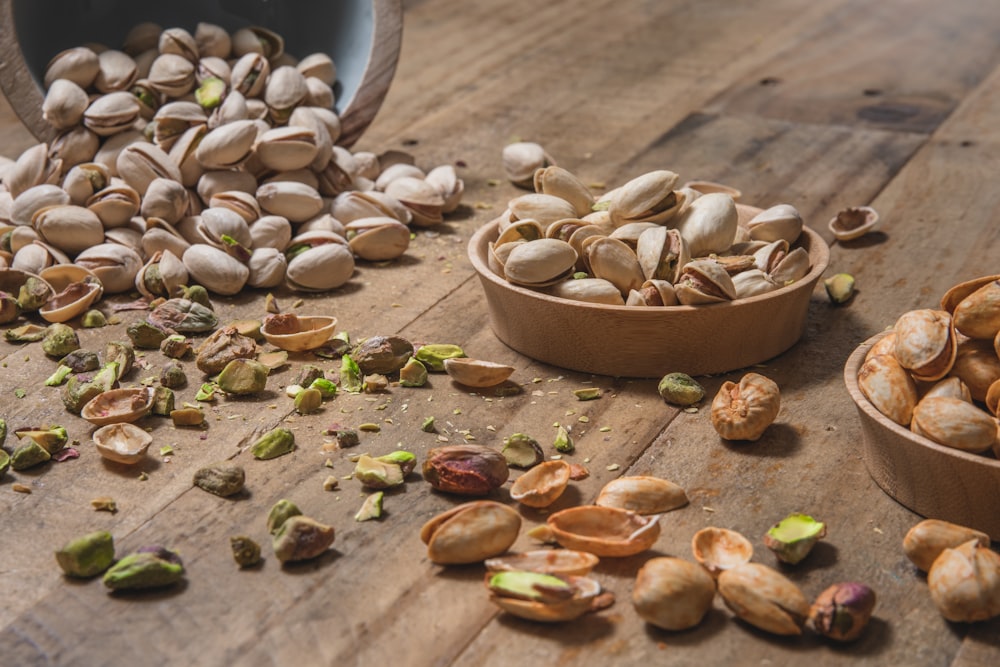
301	538
163	401
965	583
382	354
680	389
465	469
243	376
308	401
143	570
433	356
326	388
222	347
925	541
371	508
145	335
81	361
587	393
281	512
187	416
28	455
522	451
87	556
842	611
274	443
93	319
173	376
175	346
672	594
378	474
29	333
743	411
764	598
792	538
246	552
121	354
59	376
222	479
51	439
60	340
183	316
413	374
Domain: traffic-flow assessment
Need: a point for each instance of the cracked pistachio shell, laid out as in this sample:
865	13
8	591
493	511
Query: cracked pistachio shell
33	167
258	40
447	182
778	222
470	533
249	75
604	531
954	423
115	205
926	344
69	228
320	66
141	163
720	549
709	224
544	597
541	262
296	201
556	181
672	594
212	41
613	260
79	64
172	75
744	411
764	598
117	71
889	387
542	484
267	267
122	442
114	265
378	239
83	180
112	113
424	201
34	199
87	556
704	281
589	290
646	198
166	199
227	146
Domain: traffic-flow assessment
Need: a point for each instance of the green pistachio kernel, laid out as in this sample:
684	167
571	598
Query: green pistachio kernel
522	451
680	389
308	401
163	401
413	374
530	586
377	474
326	388
792	538
350	375
281	512
273	444
87	556
58	377
563	442
29	455
428	425
433	356
371	508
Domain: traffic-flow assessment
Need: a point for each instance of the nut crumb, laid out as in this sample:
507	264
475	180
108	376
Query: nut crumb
20	488
613	467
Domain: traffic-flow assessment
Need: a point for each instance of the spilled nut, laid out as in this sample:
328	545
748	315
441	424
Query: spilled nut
764	598
672	593
470	533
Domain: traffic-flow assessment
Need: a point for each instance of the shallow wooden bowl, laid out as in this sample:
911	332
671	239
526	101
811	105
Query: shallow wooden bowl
362	37
647	342
934	481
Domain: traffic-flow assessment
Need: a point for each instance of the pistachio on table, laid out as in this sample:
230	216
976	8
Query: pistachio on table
680	389
308	401
146	568
274	443
672	593
964	582
301	538
842	611
743	411
925	541
522	451
371	508
281	511
792	538
246	552
465	469
764	598
642	494
222	479
87	556
243	377
470	533
538	596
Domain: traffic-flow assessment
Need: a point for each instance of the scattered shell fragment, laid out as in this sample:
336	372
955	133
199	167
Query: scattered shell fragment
298	333
642	494
720	549
122	442
118	406
853	222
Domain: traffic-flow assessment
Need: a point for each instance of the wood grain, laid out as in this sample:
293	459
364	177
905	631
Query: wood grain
612	89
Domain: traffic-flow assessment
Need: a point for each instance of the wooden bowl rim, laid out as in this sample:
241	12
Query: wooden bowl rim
26	96
854	362
818	250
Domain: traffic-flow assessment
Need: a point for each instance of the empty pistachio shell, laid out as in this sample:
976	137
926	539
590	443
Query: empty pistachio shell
122	442
465	469
549	561
642	494
477	372
720	549
542	484
604	531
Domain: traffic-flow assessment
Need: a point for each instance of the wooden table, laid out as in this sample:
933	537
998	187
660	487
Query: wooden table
818	104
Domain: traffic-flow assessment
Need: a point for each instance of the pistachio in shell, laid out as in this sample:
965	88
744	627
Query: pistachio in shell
538	596
642	494
222	347
964	583
680	389
842	611
672	593
764	598
471	470
925	541
60	340
470	532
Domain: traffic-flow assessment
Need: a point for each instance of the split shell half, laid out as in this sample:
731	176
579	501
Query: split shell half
604	531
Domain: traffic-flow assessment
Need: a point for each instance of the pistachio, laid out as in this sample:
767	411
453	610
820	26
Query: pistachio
183	316
346	438
143	570
29	455
81	361
187	417
587	393
246	552
163	401
465	469
350	375
377	473
176	346
371	508
222	347
59	376
308	401
172	376
433	356
87	556
4	461
925	541
792	538
470	532
839	287
301	538
764	598
413	374
60	340
522	451
222	479
642	494
744	411
145	335
29	333
121	354
326	388
964	582
563	442
382	354
243	376
680	389
842	611
281	512
274	443
307	374
672	594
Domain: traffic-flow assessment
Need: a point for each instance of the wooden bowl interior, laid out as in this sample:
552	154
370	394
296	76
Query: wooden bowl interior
362	37
647	342
934	481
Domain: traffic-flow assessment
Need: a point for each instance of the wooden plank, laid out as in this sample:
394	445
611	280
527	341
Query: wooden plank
889	70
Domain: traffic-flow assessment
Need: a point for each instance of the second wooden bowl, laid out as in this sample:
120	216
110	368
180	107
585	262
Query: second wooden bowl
934	481
647	342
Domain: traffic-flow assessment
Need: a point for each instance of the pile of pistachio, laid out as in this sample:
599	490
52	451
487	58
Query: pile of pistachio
650	242
207	158
937	369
